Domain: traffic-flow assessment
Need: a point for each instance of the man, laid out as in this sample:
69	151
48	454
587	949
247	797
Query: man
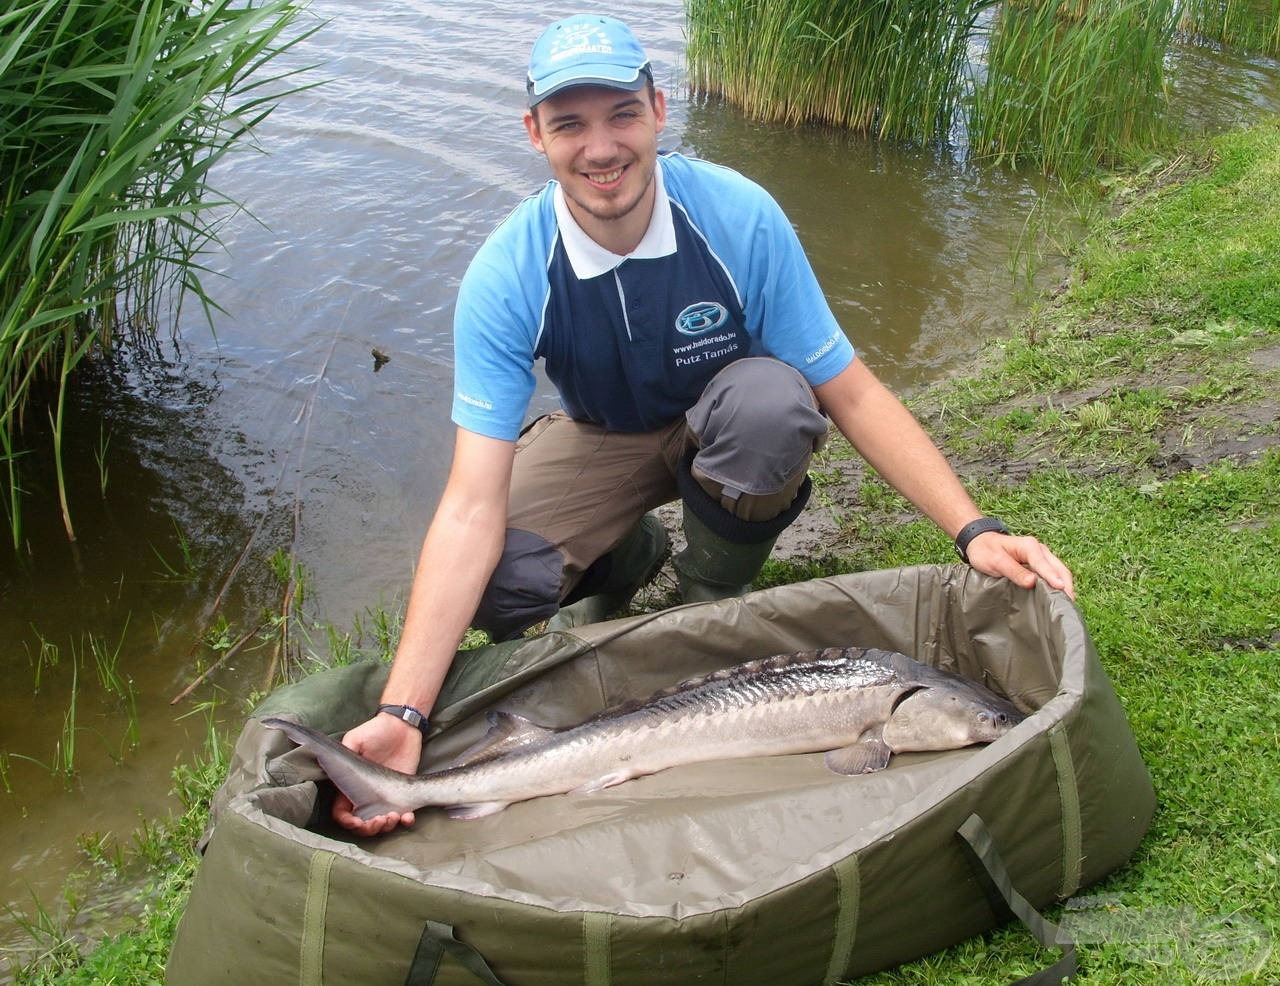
695	357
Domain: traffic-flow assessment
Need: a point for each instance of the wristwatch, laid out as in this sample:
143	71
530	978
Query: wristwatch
409	714
972	529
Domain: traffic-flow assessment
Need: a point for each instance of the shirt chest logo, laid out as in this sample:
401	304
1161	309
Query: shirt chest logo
700	318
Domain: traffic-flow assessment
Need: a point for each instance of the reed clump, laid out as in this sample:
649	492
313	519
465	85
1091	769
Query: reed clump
1062	84
1250	24
112	116
892	68
1069	85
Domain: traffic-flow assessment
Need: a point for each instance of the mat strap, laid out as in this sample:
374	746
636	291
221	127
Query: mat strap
437	939
977	839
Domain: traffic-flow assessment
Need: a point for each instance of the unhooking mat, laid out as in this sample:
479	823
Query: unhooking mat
765	870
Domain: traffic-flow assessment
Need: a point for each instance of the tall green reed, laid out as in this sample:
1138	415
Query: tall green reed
113	114
1069	85
1249	24
890	68
1061	84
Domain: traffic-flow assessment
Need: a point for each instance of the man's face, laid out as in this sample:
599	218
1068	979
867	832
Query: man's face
602	146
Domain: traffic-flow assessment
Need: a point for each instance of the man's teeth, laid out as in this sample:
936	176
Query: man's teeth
607	177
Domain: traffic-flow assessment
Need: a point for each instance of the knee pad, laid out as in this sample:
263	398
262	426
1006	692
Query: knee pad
726	525
757	425
524	587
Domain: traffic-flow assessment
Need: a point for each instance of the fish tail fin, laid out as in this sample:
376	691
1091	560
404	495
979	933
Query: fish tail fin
361	780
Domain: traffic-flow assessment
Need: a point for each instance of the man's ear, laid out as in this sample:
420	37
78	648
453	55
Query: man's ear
534	131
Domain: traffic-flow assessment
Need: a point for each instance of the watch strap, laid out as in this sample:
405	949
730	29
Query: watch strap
972	529
407	713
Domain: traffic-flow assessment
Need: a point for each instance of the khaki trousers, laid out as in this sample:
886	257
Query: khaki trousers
577	489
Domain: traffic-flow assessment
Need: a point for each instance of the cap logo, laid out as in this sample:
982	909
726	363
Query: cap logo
580	39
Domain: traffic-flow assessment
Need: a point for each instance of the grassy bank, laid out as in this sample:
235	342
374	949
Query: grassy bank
1131	422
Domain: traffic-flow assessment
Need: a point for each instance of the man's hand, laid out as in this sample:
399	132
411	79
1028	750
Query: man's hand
393	743
1019	559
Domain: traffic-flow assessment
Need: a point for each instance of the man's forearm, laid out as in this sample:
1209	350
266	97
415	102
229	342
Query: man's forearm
458	556
888	436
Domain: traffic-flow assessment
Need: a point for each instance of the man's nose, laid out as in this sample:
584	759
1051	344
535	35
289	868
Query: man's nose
601	145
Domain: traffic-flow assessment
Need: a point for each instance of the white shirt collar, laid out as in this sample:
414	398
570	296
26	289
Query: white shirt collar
590	259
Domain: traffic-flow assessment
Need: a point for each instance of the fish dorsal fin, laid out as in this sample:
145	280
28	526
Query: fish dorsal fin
507	732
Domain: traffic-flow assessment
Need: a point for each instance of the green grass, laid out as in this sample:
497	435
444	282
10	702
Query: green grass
1200	255
1161	343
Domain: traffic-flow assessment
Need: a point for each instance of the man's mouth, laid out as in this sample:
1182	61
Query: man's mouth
604	177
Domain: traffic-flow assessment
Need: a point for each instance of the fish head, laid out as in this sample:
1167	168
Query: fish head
948	717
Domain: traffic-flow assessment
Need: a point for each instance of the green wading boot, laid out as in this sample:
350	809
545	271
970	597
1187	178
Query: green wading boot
633	564
711	567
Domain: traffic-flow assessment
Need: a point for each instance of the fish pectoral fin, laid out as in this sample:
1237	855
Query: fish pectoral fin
601	782
507	732
863	757
478	810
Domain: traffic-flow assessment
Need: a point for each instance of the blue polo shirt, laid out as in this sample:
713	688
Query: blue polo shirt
631	342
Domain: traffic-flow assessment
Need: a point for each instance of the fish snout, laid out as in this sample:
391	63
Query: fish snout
998	721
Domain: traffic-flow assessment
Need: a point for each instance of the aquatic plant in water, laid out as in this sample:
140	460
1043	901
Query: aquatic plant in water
891	68
112	114
1064	84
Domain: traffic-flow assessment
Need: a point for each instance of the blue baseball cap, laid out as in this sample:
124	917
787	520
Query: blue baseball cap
586	50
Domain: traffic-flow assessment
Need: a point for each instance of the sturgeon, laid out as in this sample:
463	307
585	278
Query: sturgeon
860	705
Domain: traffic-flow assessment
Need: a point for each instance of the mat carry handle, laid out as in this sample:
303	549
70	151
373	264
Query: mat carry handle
436	940
977	839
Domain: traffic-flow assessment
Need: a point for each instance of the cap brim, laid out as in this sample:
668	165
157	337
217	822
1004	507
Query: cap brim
586	75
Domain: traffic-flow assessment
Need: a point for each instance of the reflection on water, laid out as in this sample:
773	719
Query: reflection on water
97	635
913	246
374	192
1211	90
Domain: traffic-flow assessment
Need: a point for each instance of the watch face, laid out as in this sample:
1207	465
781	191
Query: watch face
412	716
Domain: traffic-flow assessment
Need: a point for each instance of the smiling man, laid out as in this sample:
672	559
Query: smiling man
696	359
602	149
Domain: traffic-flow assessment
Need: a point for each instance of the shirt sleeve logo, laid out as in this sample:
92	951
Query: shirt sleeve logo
701	318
